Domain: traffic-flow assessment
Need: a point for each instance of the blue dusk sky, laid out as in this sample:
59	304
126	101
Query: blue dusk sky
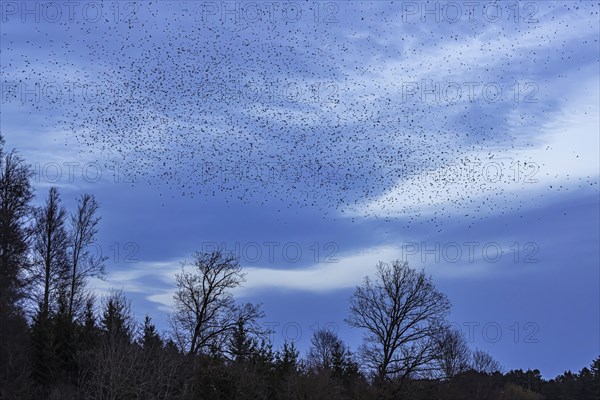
313	139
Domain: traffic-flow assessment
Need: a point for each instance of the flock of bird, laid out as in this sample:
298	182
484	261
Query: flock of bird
304	114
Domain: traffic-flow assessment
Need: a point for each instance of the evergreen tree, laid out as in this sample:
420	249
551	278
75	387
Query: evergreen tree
287	360
89	330
343	365
117	321
150	339
241	344
595	372
16	194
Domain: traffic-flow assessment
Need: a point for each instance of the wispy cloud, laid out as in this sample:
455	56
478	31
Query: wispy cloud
565	155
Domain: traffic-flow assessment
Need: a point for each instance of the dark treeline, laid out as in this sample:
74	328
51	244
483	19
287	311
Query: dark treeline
59	341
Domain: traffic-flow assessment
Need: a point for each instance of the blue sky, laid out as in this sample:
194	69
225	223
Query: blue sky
315	139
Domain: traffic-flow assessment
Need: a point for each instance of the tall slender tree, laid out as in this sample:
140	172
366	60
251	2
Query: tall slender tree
50	250
50	269
82	264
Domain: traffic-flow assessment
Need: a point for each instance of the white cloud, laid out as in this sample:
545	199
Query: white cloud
566	153
346	273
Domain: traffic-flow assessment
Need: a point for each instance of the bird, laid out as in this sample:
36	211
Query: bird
312	114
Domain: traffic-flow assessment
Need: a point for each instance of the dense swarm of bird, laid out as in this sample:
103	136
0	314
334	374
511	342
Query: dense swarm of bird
307	113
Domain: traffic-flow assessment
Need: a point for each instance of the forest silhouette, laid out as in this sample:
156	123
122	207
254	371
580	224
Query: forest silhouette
60	340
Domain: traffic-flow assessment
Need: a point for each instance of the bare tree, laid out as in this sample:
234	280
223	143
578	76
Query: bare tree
205	311
324	345
483	362
83	264
50	249
402	312
454	354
